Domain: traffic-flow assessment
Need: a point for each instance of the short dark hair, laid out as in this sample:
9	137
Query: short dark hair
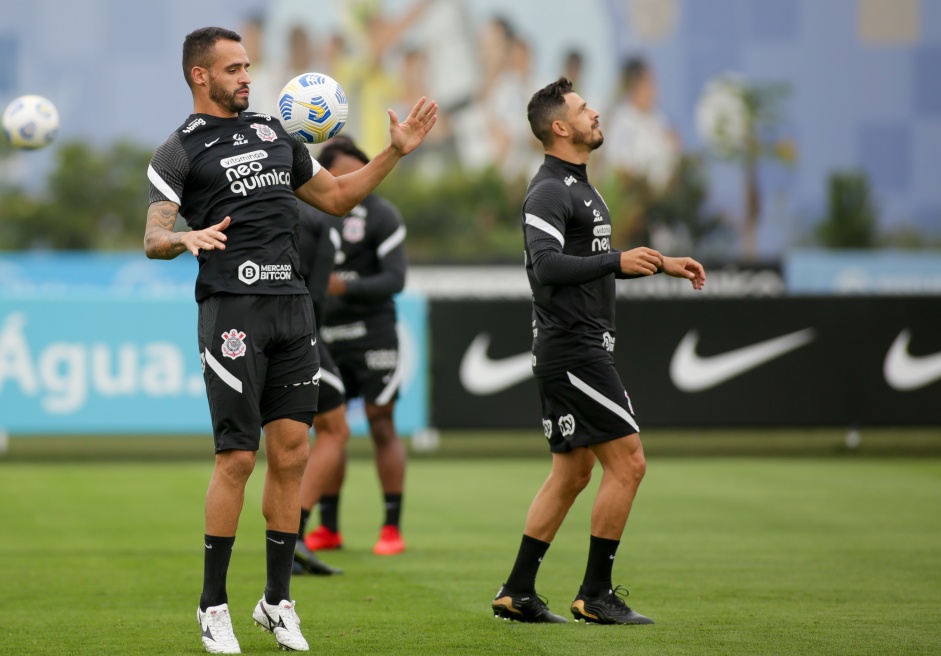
199	45
632	71
340	146
544	108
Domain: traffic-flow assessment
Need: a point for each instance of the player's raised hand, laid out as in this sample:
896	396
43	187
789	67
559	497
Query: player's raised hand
409	133
207	239
685	267
641	261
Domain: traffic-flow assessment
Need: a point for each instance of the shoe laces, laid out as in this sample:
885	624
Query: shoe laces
290	618
540	601
220	624
615	599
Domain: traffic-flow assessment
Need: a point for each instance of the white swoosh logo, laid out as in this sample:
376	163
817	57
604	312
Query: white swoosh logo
480	375
212	142
905	372
588	203
692	373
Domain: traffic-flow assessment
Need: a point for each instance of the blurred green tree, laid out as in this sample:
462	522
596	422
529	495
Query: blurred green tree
851	214
93	199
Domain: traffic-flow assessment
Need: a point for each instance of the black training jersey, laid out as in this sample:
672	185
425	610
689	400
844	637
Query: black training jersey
319	243
571	268
371	261
247	168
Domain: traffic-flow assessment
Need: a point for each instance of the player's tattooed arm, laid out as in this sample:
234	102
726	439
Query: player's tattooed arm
162	243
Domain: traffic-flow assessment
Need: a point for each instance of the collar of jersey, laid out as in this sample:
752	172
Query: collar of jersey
580	171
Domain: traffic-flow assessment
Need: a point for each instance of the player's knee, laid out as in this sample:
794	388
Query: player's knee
582	479
235	465
638	466
381	424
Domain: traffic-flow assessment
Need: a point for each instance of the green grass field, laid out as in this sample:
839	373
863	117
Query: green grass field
755	555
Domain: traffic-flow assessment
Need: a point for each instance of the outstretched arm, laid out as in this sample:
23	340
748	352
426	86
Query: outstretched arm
162	243
338	195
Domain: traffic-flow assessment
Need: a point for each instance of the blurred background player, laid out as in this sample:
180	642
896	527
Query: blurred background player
359	328
318	243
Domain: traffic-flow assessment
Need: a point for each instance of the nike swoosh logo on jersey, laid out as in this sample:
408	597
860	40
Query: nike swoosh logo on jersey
588	203
313	342
905	372
316	109
693	373
212	142
481	375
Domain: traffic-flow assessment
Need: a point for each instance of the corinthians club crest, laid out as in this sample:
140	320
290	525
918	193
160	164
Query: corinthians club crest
233	344
265	133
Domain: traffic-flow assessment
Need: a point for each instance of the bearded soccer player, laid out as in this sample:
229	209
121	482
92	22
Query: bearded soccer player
586	413
234	175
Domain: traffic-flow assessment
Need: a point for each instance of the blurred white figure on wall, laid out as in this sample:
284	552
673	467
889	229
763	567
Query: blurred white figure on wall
638	137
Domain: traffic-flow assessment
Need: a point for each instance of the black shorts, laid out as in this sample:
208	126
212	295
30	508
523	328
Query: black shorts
585	405
370	366
332	391
260	363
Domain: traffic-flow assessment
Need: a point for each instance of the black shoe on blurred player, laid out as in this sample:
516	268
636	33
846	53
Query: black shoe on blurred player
524	608
606	608
306	562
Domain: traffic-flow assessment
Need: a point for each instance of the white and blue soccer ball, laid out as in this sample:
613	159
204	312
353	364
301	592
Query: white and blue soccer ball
313	108
31	122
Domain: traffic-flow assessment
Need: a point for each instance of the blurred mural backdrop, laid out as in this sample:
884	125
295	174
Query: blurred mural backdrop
792	145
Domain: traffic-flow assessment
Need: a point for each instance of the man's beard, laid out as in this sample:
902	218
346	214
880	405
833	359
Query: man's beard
231	102
587	138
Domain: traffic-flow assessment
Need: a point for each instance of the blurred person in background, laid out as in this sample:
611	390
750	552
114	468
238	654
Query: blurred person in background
368	70
318	241
587	416
266	80
643	161
640	140
573	67
256	331
359	328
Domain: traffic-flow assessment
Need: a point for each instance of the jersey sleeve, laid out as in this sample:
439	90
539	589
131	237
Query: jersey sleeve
304	166
390	251
168	171
545	211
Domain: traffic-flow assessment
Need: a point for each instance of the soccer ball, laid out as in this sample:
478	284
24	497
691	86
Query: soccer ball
31	122
313	108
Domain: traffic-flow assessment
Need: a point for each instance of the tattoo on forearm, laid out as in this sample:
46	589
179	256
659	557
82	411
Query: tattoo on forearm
160	241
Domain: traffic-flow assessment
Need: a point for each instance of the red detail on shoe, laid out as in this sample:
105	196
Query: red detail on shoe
323	539
390	542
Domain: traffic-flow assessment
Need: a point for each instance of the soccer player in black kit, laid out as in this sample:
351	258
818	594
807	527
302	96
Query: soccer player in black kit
360	327
586	412
234	176
319	242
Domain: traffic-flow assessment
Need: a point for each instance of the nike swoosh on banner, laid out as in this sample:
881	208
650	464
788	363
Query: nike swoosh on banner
693	373
905	372
481	376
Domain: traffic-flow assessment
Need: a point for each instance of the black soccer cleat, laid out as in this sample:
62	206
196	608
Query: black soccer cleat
529	608
606	608
306	562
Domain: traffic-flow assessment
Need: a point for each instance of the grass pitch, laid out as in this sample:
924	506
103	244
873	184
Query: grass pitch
729	556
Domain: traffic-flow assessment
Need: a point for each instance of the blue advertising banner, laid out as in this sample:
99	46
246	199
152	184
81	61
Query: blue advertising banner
109	362
863	272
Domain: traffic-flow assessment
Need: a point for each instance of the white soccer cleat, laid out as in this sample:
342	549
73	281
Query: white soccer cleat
216	625
282	621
